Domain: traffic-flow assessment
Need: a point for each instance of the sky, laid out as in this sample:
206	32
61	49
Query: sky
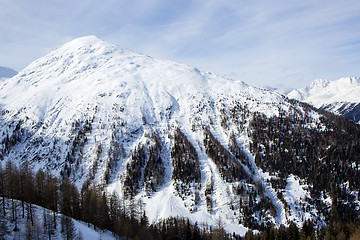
278	43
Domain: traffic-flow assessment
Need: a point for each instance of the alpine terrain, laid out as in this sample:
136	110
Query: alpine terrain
340	96
182	142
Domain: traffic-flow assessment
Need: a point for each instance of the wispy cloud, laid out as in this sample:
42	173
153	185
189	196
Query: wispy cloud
261	42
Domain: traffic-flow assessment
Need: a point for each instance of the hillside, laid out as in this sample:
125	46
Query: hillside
184	142
44	225
340	96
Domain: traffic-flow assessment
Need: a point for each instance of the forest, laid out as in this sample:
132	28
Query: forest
21	189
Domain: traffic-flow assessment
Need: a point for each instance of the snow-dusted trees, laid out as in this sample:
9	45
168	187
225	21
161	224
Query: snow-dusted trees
145	168
186	167
209	189
229	167
115	154
237	151
134	170
154	170
13	137
73	158
3	225
326	157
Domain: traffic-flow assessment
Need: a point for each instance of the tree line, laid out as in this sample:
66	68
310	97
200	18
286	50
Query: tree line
21	189
333	231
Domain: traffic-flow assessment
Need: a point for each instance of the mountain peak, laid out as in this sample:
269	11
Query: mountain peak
89	61
85	41
319	83
340	96
89	38
349	80
323	91
6	72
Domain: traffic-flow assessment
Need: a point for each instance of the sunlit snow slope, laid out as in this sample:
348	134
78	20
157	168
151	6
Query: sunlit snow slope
90	110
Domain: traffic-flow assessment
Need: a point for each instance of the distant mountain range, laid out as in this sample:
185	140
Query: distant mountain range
341	96
6	72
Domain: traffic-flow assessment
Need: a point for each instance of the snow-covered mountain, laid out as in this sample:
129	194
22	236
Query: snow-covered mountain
6	72
184	142
340	96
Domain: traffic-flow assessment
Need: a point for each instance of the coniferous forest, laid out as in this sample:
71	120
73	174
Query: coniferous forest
21	188
326	158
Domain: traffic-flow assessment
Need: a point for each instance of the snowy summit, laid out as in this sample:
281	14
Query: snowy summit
340	96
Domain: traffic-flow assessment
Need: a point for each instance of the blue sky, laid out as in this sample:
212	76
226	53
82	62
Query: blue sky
275	43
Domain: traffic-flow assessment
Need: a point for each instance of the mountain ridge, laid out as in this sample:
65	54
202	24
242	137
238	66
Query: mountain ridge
146	128
339	96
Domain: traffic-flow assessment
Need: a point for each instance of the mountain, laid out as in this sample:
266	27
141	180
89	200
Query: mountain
180	141
7	72
340	96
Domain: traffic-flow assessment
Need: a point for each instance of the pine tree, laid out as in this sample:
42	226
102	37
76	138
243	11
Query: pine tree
103	212
48	224
68	228
114	209
3	227
2	189
40	187
32	230
11	174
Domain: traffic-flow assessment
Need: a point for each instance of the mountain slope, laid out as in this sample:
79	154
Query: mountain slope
40	228
340	96
181	141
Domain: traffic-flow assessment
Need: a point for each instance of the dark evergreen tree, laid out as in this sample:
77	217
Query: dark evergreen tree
68	228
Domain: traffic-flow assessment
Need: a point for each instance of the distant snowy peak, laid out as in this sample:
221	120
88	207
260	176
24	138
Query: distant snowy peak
304	93
6	72
319	83
340	96
322	92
